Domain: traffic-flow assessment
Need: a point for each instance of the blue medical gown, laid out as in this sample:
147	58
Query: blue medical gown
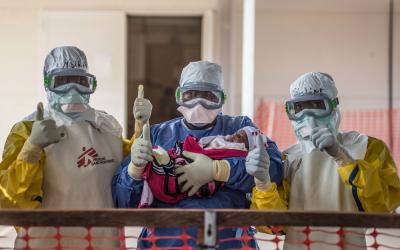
233	194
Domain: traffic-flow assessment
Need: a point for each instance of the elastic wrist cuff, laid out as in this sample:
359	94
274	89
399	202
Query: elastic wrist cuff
342	157
30	153
135	172
263	185
222	170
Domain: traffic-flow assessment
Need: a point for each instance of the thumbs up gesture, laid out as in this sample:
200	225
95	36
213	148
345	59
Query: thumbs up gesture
141	151
44	132
257	162
142	107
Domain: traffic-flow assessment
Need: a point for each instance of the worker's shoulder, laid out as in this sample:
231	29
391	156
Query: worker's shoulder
353	137
167	124
103	114
108	122
235	121
293	152
22	128
221	118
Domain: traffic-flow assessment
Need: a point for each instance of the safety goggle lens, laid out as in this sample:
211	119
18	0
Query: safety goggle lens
189	95
311	104
85	81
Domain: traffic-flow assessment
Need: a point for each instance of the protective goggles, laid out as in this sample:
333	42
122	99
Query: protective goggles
209	99
317	106
85	84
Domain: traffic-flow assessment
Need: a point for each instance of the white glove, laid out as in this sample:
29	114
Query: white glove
44	132
141	151
161	156
201	171
258	162
325	140
142	109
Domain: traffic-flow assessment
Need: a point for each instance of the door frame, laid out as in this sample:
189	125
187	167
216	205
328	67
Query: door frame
207	36
207	26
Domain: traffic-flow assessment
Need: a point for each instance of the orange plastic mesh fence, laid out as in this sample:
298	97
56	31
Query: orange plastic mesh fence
118	229
307	238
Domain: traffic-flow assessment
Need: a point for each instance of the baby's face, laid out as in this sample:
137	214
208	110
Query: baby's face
239	137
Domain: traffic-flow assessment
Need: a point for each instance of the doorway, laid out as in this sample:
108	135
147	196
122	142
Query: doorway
158	49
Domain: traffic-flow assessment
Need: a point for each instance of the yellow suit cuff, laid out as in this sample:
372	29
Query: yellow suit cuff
221	170
262	186
30	153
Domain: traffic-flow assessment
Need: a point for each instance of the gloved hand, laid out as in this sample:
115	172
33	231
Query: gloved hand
141	154
201	171
323	139
44	132
161	156
142	109
258	162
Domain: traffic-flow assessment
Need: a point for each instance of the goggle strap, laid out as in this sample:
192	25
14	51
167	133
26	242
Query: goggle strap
94	84
178	94
334	103
47	81
223	98
287	108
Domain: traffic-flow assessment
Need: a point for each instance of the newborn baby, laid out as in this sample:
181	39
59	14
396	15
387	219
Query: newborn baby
160	179
239	140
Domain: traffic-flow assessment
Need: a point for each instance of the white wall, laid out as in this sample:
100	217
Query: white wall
28	29
21	84
102	35
347	39
230	46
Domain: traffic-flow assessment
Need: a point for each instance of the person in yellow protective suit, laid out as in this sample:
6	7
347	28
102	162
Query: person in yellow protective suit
326	170
64	156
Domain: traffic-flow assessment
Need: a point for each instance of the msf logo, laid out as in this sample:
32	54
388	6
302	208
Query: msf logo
87	158
90	157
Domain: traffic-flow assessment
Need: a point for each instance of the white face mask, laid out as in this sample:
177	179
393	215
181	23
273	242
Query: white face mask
74	108
69	102
304	127
198	115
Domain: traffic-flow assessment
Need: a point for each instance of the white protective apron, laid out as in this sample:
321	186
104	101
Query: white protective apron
315	185
77	175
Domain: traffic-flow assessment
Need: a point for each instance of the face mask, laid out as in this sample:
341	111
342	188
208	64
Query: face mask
74	108
69	102
304	127
198	115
